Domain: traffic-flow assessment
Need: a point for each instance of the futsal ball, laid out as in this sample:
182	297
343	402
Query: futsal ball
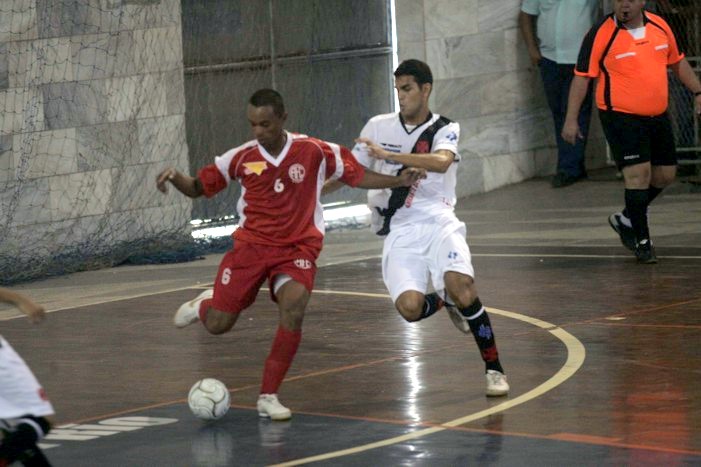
208	399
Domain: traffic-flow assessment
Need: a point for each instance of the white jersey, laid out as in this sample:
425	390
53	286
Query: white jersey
427	199
20	392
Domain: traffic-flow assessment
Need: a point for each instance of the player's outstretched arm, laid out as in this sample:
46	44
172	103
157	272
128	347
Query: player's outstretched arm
185	184
375	180
25	304
438	161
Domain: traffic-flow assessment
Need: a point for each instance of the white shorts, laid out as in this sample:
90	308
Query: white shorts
412	253
20	392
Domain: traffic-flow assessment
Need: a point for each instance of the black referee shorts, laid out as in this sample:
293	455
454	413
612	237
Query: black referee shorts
635	139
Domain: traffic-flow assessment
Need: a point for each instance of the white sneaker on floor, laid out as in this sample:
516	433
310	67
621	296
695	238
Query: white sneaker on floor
269	406
457	318
189	312
496	384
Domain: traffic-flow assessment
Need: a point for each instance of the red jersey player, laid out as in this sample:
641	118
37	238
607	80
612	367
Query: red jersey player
280	232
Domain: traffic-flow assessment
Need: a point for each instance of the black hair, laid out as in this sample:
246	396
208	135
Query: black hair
416	68
265	97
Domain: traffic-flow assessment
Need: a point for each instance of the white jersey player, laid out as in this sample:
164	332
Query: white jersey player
424	238
24	407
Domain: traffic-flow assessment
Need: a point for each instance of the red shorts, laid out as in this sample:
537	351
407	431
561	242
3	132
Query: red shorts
243	270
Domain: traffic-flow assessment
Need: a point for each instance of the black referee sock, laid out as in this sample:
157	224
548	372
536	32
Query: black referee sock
652	193
481	327
636	205
432	303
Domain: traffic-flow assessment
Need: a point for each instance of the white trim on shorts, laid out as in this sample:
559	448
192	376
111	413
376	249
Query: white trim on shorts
280	280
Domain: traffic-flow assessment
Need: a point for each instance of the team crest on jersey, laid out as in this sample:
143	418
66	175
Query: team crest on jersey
422	147
296	173
254	167
302	263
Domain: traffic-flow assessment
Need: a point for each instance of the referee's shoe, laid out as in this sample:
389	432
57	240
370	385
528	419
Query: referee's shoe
625	232
645	252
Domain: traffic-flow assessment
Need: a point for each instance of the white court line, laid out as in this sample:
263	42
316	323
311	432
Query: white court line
575	358
115	299
346	261
527	255
148	294
556	255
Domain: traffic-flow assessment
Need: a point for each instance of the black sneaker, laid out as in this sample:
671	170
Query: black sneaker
626	233
645	252
561	179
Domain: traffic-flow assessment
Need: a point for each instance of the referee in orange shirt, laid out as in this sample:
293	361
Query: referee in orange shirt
628	53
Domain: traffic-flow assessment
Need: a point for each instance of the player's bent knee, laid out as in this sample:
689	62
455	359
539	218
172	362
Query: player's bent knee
461	290
292	318
465	298
409	309
219	322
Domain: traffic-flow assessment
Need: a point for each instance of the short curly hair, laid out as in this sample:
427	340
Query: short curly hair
265	97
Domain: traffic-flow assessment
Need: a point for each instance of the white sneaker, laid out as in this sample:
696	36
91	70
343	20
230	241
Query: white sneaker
457	318
189	312
269	406
496	384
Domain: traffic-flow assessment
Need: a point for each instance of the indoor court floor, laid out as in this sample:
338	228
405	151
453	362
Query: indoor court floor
603	355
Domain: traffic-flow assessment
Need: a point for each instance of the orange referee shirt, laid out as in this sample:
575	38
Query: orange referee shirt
631	73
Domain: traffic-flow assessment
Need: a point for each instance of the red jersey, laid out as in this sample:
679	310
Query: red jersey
280	196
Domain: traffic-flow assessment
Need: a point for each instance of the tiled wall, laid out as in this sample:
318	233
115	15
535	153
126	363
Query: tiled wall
91	109
483	80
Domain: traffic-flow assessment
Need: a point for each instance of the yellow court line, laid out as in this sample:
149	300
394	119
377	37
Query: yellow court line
575	358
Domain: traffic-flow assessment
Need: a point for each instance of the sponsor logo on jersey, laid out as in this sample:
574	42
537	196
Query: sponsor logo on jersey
254	167
422	147
453	255
296	173
412	193
302	263
42	394
452	137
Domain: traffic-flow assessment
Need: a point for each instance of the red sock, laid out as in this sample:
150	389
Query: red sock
204	306
280	358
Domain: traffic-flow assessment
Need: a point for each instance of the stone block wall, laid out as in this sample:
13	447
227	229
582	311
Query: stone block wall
91	109
483	80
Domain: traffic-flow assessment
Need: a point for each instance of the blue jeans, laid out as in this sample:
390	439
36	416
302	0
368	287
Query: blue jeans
556	81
